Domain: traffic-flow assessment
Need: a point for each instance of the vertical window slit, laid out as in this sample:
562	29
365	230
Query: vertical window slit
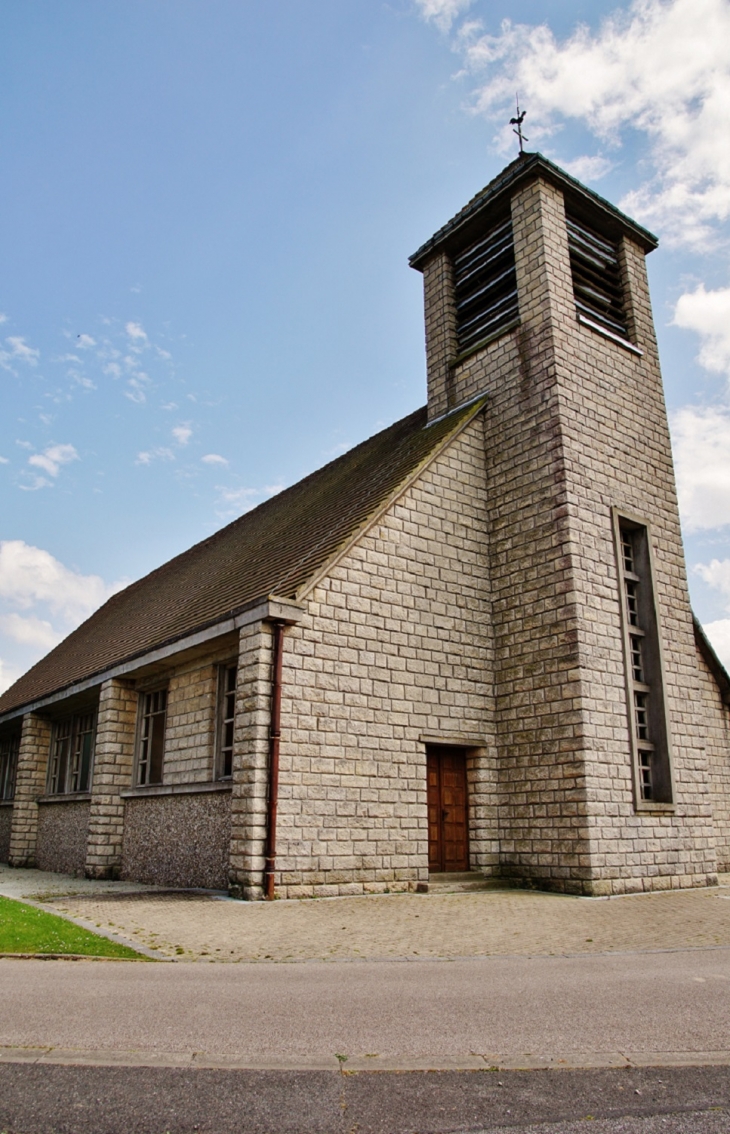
648	722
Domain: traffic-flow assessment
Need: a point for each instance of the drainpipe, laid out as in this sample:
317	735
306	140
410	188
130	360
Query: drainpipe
274	740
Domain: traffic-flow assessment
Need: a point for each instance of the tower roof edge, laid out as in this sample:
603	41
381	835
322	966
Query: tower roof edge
524	168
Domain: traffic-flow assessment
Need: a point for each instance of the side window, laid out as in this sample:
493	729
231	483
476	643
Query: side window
644	678
226	718
9	748
72	755
151	748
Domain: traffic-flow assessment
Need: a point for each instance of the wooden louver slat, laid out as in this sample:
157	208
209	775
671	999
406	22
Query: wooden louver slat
485	286
596	278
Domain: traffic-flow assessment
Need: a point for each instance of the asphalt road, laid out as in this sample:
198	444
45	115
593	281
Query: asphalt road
639	1043
106	1100
509	1011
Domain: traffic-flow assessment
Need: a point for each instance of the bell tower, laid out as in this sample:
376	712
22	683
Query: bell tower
536	296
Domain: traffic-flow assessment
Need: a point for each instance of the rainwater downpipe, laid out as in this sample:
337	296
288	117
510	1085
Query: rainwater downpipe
274	742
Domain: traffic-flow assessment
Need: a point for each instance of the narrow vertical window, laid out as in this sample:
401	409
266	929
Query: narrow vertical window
72	755
9	748
58	766
644	679
82	752
226	719
152	738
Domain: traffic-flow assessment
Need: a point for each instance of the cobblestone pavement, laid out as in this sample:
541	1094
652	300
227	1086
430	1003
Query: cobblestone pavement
193	926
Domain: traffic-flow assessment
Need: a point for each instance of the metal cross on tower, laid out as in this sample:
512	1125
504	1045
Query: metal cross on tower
518	123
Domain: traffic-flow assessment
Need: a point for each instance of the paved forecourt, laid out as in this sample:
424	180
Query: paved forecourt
200	926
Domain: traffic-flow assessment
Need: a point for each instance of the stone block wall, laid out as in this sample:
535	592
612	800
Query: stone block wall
250	761
396	644
441	339
35	740
542	826
112	774
618	453
716	726
63	831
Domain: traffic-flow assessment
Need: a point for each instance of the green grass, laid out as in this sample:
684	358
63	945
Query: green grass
25	929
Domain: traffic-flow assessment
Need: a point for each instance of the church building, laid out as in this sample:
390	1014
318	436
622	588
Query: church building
465	645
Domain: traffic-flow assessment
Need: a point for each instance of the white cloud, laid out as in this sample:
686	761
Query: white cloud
3	317
19	352
29	575
716	574
41	600
442	12
161	453
136	333
701	444
661	67
30	631
53	457
22	351
4	460
136	391
719	634
589	167
182	434
213	459
80	379
708	313
9	674
85	341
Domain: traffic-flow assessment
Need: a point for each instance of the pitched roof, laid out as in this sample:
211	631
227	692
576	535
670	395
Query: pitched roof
274	549
715	666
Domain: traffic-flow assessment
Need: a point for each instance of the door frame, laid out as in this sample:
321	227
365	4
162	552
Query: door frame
438	750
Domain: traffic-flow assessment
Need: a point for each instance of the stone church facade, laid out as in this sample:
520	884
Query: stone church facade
465	645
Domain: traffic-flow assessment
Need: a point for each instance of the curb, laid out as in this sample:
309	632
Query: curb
368	1064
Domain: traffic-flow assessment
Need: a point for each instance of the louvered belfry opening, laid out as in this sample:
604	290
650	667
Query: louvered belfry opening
485	287
596	277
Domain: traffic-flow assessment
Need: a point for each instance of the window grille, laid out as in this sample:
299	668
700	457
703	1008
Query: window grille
485	287
226	719
72	755
9	748
649	732
152	738
596	278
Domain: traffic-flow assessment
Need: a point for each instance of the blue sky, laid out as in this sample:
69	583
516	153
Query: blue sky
206	210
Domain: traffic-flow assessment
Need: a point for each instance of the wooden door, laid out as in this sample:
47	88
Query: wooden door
448	830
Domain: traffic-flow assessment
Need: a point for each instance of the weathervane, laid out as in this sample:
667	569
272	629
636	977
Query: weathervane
518	123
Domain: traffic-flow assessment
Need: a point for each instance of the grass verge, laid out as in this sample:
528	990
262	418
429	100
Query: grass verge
25	929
